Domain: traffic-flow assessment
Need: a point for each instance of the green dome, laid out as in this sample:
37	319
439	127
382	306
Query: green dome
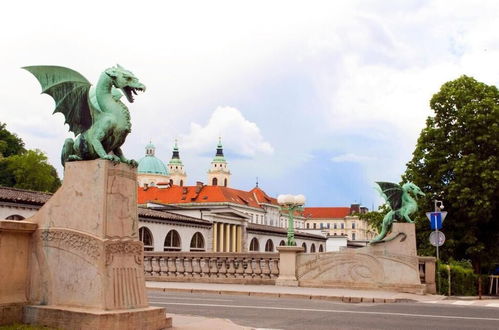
151	165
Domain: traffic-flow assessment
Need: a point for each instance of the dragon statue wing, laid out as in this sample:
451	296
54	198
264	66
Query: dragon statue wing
392	193
70	90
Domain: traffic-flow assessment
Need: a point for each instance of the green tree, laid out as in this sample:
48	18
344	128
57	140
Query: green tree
375	218
10	144
456	160
29	170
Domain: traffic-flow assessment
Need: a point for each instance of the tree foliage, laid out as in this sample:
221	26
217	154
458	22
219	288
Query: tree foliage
10	144
26	169
375	218
456	160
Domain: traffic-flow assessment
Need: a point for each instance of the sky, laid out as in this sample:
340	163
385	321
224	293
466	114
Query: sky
320	98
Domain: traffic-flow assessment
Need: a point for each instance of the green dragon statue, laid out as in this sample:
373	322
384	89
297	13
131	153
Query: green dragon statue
401	204
97	117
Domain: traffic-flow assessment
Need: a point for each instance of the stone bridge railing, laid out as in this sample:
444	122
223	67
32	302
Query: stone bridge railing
247	268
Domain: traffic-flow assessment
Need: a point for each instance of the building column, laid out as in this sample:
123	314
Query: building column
239	234
233	238
227	238
215	237
221	238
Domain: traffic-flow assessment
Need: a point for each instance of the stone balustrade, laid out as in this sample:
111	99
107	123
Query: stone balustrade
427	273
240	268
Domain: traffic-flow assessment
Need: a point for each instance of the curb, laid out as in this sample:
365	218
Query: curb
344	299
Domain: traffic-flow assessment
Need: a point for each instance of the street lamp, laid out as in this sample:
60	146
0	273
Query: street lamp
291	203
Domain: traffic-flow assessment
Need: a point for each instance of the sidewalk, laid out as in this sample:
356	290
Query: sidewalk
344	295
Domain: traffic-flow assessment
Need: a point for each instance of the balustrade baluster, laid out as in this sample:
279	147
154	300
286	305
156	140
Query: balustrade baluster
238	264
172	268
204	263
213	267
147	266
155	266
255	263
264	266
231	271
274	267
179	263
163	267
196	268
248	268
222	267
188	267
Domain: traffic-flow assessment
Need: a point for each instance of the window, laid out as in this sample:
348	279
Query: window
145	237
181	183
308	226
197	242
312	248
328	226
171	182
342	226
172	241
353	225
321	249
335	226
353	236
15	217
315	225
304	245
225	182
282	243
214	182
254	246
269	246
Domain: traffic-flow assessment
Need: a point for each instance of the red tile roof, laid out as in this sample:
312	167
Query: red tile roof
326	212
204	194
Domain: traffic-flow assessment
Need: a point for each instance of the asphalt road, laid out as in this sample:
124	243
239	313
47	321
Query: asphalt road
280	313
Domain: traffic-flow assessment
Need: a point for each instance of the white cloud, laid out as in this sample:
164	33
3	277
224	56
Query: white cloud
239	135
350	158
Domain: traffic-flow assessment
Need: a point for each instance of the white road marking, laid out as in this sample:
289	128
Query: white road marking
465	303
185	298
492	305
338	311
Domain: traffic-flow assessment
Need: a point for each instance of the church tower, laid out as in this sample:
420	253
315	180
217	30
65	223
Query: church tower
178	177
219	173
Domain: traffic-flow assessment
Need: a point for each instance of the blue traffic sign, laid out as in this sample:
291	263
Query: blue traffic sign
436	220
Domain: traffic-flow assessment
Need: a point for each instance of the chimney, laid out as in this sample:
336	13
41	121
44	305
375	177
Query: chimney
199	186
354	208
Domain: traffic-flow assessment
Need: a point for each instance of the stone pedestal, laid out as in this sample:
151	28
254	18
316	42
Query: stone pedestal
287	265
401	240
87	259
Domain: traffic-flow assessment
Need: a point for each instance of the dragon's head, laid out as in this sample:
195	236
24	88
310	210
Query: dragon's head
412	188
126	81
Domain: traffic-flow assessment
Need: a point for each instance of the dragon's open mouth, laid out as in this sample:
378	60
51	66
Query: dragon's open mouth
130	91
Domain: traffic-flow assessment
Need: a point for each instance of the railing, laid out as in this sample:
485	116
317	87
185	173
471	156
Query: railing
247	268
427	273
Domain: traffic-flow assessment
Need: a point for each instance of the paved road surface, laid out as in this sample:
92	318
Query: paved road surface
281	313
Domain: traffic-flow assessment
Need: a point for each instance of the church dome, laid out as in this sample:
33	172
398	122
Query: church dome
150	164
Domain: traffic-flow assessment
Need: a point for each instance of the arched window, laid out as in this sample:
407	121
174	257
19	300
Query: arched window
269	246
15	217
181	183
145	237
172	241
254	246
197	242
225	182
312	248
282	243
304	245
171	182
214	182
321	249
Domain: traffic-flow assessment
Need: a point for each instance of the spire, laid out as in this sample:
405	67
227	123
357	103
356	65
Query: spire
175	154
257	182
220	150
150	149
